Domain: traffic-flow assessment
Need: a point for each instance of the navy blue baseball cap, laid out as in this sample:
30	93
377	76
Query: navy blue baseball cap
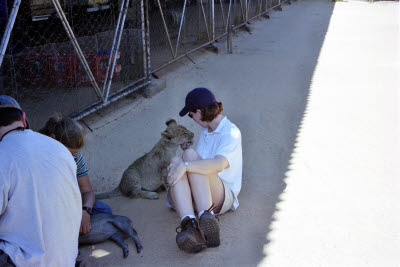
198	98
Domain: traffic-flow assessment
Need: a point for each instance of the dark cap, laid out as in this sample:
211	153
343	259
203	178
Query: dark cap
9	102
198	98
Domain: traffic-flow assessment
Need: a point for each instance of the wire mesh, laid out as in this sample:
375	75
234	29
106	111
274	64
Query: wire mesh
41	68
203	21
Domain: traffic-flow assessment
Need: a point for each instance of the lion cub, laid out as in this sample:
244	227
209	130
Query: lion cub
149	173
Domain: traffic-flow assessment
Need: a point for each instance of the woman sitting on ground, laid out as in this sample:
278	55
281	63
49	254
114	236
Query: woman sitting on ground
207	179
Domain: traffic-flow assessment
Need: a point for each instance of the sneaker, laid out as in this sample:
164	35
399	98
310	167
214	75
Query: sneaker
189	239
210	229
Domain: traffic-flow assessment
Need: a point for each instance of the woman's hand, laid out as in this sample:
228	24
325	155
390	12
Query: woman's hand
85	223
176	170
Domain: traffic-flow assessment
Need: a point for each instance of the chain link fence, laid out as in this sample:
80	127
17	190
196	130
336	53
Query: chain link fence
179	27
61	54
42	69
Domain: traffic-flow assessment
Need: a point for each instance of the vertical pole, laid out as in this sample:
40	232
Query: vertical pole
8	30
229	28
212	19
148	67
143	31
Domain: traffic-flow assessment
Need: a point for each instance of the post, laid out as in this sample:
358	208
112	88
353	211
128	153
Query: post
212	19
8	30
229	28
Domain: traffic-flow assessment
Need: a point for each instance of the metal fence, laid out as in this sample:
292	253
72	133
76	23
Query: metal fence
181	26
75	56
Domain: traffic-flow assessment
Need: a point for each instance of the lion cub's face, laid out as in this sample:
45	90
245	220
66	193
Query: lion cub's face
177	134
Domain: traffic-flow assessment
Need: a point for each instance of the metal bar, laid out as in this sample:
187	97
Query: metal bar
229	29
180	27
76	46
166	29
8	30
116	49
205	19
142	18
113	45
191	51
212	19
114	97
148	66
222	11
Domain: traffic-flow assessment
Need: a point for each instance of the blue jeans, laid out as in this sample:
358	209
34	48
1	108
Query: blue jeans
101	207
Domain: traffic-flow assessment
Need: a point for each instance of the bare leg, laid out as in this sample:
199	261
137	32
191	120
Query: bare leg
182	197
206	190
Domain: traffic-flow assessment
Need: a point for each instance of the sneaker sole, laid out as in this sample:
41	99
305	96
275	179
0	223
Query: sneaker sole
189	245
210	230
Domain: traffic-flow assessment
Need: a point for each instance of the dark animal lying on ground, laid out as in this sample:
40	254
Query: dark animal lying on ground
149	173
112	227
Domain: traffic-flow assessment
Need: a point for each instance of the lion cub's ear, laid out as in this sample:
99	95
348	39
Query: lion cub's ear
171	122
167	135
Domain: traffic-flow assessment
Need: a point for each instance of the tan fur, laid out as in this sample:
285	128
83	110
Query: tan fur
149	173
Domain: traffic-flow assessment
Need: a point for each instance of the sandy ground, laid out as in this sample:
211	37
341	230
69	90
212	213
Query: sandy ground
313	91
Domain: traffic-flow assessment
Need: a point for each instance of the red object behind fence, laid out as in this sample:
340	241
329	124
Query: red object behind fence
65	69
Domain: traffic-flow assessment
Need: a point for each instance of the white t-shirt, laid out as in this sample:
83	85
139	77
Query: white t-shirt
226	141
40	201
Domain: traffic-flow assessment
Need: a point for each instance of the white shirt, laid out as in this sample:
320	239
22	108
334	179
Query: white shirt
40	201
226	141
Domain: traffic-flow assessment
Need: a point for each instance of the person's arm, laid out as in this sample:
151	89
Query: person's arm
204	166
3	198
208	166
4	188
87	201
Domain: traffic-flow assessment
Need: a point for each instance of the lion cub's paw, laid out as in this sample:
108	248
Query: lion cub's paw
149	195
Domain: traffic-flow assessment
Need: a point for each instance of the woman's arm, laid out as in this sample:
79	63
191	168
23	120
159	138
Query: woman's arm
203	166
208	166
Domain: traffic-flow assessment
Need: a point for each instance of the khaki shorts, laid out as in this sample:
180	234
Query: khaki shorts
226	206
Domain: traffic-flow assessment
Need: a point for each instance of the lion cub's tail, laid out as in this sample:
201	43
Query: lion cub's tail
114	193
